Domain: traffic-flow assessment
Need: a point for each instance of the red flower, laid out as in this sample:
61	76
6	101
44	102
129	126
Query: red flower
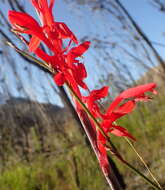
109	127
57	31
77	52
51	33
78	69
24	23
136	93
115	110
93	97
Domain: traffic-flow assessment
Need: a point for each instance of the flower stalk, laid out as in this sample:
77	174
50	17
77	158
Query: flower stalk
110	146
67	70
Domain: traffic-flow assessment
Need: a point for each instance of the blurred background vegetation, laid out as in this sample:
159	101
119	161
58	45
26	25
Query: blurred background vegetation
42	143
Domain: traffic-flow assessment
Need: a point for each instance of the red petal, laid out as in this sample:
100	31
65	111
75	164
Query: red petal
79	50
106	125
82	70
51	5
44	56
98	94
36	4
26	24
45	11
121	132
34	43
125	108
80	73
121	111
138	90
73	83
65	32
59	79
23	21
76	52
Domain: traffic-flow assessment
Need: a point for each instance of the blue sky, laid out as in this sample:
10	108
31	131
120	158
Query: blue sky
150	19
83	23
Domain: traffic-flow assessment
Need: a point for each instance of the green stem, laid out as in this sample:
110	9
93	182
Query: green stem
143	176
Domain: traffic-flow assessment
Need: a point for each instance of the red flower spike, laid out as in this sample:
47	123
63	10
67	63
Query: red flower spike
70	70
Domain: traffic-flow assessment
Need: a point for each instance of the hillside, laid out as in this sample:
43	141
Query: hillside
42	147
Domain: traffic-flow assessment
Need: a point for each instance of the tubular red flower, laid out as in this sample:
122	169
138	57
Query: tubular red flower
135	93
24	22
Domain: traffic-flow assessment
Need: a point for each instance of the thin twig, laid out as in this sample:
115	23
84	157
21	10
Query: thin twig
142	160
